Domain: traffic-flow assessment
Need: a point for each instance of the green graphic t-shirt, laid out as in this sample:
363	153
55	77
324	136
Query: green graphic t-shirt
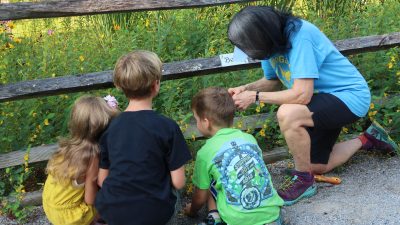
245	191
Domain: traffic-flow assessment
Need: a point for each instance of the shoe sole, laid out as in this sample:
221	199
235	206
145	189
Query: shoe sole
388	139
311	191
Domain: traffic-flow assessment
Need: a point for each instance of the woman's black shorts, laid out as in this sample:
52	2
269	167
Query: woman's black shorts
330	114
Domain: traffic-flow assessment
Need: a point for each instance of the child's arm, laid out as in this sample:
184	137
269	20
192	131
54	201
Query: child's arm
199	198
103	173
91	181
178	178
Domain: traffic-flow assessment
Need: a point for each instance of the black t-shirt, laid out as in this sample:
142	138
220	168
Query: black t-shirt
140	149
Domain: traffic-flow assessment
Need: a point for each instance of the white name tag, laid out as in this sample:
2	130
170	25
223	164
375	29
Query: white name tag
227	60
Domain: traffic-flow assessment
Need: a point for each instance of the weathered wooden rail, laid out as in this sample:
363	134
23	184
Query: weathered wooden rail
171	71
62	8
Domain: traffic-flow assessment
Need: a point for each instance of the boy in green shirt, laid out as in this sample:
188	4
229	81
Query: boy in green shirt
242	191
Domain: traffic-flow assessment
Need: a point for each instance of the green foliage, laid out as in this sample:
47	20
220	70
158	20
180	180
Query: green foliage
12	192
45	48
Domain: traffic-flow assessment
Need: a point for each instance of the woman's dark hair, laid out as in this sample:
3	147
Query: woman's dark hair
261	31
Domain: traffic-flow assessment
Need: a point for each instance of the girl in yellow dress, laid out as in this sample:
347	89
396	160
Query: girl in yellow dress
71	185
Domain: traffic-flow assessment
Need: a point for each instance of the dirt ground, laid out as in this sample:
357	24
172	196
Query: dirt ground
368	195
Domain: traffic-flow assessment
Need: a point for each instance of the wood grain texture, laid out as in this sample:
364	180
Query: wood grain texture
37	154
62	8
171	71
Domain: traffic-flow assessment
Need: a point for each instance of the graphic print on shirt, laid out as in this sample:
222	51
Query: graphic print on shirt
280	64
244	175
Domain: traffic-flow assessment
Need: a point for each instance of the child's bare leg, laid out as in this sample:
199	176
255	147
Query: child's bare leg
213	214
211	205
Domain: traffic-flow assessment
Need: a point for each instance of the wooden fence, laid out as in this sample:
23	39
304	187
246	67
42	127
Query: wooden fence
174	70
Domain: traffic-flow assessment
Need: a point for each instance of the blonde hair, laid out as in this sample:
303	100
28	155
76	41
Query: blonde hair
88	119
215	104
136	72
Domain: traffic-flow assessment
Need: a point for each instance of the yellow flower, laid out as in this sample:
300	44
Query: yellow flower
10	24
372	113
193	137
117	27
26	157
372	106
262	133
392	59
212	51
345	130
190	189
147	24
390	65
9	45
239	124
34	114
262	104
258	109
17	40
26	169
46	122
81	58
385	94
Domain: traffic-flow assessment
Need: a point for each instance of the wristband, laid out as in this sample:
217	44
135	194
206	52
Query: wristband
257	98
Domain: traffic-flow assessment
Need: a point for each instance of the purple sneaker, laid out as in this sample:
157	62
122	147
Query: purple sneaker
379	139
297	187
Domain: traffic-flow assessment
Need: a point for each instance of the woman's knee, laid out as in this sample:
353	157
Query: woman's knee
293	115
285	112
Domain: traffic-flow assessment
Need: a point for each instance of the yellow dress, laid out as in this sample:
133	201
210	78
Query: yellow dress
64	204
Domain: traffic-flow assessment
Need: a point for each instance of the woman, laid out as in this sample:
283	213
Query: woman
324	92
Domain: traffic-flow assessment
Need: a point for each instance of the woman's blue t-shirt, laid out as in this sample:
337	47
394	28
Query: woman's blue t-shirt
313	55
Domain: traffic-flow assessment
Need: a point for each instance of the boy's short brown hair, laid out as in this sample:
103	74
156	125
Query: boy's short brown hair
215	104
136	72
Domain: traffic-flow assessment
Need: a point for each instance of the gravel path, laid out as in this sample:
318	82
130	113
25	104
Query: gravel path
369	195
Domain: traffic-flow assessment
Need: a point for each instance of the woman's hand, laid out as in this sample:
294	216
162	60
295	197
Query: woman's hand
244	99
236	90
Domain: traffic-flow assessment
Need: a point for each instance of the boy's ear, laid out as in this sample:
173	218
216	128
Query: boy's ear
156	86
207	123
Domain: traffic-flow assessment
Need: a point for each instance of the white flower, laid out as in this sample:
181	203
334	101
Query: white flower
111	101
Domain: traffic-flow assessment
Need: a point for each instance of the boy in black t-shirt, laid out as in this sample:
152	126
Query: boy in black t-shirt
142	153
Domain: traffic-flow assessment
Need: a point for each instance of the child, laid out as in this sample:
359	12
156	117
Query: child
70	188
232	160
142	153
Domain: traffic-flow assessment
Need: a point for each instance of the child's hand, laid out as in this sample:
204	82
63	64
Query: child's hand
187	210
236	90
